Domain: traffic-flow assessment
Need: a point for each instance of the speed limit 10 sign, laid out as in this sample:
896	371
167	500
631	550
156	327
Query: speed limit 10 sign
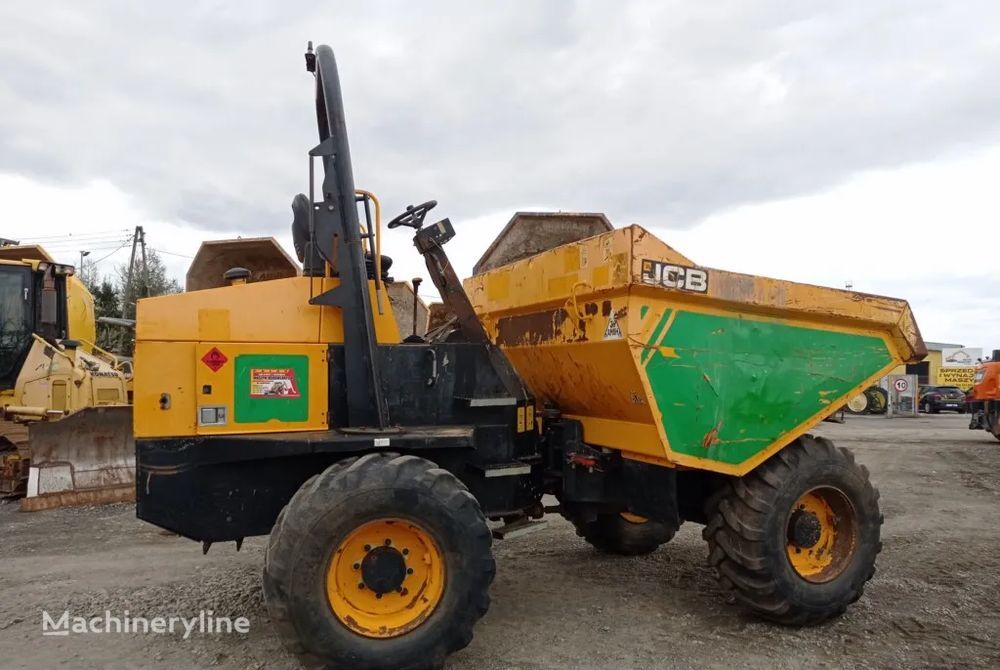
900	385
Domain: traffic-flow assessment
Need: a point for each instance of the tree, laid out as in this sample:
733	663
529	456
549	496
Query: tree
145	282
106	304
116	296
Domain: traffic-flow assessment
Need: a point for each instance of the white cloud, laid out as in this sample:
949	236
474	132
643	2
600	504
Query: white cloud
96	217
805	140
921	232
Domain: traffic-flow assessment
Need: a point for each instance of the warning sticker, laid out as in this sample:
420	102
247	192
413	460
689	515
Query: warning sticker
273	383
214	359
613	331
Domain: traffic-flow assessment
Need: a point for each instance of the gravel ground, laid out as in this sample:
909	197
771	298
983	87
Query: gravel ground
556	603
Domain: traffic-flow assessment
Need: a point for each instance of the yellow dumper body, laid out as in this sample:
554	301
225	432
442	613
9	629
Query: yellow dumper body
683	365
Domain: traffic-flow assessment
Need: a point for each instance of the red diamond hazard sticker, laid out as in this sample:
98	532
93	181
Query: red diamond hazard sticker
214	359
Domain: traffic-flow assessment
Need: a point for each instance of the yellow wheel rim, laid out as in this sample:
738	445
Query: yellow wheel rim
385	578
632	518
821	534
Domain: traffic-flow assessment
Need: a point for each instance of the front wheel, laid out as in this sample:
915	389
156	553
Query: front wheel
796	539
379	562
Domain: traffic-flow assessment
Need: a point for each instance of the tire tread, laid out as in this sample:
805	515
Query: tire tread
736	539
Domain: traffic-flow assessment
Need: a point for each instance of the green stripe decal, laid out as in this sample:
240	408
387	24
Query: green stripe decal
729	387
651	345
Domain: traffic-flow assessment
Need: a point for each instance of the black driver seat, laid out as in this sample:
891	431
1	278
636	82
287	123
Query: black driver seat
312	262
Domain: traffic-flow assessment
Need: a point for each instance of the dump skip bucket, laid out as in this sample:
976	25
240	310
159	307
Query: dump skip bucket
680	364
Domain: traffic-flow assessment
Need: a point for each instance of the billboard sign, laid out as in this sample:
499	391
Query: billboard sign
963	378
960	357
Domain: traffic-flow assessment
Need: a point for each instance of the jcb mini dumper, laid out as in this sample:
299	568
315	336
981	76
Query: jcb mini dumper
639	389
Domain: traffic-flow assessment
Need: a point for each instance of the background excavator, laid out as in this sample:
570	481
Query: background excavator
65	421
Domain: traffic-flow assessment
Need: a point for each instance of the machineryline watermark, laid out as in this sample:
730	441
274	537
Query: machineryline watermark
206	622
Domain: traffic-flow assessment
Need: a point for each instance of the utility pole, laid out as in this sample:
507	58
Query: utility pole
126	298
145	266
138	243
83	254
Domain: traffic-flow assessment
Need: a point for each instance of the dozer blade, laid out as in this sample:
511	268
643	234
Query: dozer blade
88	458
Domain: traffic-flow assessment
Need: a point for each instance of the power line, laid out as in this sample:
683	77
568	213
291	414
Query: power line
78	243
170	253
70	237
87	247
66	239
111	231
104	258
77	236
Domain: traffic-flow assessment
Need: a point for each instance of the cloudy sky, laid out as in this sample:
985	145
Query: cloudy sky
815	141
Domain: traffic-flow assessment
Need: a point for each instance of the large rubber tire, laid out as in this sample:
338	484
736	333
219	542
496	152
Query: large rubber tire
325	511
859	404
747	533
878	400
612	533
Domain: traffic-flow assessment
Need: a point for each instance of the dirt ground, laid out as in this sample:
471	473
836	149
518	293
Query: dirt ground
556	603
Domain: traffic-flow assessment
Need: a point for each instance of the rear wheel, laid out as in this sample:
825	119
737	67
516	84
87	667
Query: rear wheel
379	562
878	399
796	539
620	533
858	404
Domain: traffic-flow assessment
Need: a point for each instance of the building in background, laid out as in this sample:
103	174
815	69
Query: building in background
946	364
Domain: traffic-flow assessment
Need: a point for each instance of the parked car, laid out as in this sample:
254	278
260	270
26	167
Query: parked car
934	399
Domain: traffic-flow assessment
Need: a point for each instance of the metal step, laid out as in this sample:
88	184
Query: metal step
522	526
489	402
514	469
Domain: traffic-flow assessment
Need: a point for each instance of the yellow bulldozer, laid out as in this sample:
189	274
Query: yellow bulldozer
640	389
65	422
